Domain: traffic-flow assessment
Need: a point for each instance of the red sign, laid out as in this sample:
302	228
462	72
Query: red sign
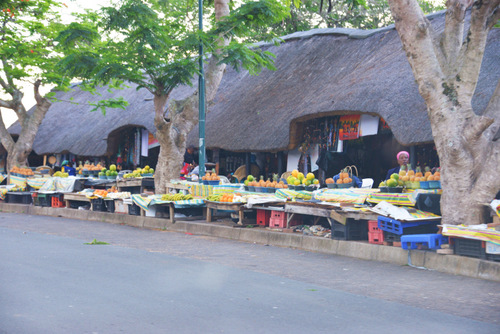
349	127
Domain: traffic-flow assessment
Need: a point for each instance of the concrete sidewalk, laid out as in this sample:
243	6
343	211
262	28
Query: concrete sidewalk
451	264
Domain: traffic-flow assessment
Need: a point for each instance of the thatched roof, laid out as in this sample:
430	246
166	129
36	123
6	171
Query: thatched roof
326	72
321	72
72	128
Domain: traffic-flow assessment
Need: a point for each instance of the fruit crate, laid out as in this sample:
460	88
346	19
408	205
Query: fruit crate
263	217
469	247
352	230
397	227
18	197
110	205
44	200
423	241
376	238
98	205
134	210
391	237
281	222
56	201
373	226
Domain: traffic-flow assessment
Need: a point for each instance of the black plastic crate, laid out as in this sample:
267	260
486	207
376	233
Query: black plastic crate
98	205
493	257
44	200
110	205
469	247
77	204
352	230
391	237
134	210
429	203
18	197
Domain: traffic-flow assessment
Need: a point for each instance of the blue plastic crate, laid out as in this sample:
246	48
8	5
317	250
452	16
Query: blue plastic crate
428	241
414	227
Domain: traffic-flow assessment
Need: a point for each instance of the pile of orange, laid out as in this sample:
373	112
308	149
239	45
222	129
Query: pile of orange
227	197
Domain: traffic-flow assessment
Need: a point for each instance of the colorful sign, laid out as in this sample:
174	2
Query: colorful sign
152	141
349	127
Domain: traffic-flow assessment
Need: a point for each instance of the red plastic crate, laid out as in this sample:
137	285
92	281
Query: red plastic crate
263	217
376	238
56	203
278	214
281	222
373	226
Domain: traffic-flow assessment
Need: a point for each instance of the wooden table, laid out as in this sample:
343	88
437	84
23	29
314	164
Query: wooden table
329	212
133	186
171	213
176	187
240	207
76	197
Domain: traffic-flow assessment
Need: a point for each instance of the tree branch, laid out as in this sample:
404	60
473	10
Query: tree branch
5	136
493	111
452	37
493	19
416	35
472	51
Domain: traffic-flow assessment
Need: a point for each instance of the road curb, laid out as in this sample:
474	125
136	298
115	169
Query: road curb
450	264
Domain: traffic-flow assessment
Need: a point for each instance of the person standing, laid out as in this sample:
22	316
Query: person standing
403	158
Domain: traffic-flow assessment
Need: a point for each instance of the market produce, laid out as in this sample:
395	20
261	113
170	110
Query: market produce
329	181
211	177
100	193
214	197
176	197
344	177
22	171
60	174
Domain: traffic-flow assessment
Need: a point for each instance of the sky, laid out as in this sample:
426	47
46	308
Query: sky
9	116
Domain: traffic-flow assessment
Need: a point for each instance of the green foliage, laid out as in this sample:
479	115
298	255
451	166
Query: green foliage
27	48
155	44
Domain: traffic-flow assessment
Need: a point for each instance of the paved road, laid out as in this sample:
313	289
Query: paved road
149	281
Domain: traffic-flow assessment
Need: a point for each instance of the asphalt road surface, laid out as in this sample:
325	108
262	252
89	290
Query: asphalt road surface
151	281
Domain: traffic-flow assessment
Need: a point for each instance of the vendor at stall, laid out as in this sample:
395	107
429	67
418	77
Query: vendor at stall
403	158
66	168
190	156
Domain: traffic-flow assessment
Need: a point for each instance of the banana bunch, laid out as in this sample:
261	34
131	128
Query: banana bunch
303	196
176	197
214	198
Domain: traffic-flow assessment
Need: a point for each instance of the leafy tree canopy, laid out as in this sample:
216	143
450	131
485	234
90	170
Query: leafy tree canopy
155	43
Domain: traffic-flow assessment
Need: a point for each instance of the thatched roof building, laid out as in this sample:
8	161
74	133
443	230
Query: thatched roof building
319	73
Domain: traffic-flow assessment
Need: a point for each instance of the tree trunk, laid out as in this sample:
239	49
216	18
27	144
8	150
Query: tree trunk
446	68
18	151
182	118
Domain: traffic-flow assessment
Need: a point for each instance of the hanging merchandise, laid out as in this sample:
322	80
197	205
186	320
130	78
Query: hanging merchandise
383	127
349	127
144	142
368	125
137	148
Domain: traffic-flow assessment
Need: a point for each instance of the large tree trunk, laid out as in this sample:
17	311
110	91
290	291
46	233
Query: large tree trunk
18	151
182	117
446	67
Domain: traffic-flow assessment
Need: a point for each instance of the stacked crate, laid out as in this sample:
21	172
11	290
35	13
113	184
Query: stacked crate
375	235
278	219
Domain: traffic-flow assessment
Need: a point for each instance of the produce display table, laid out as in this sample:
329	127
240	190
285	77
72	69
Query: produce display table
135	186
227	207
68	198
175	187
306	208
171	212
